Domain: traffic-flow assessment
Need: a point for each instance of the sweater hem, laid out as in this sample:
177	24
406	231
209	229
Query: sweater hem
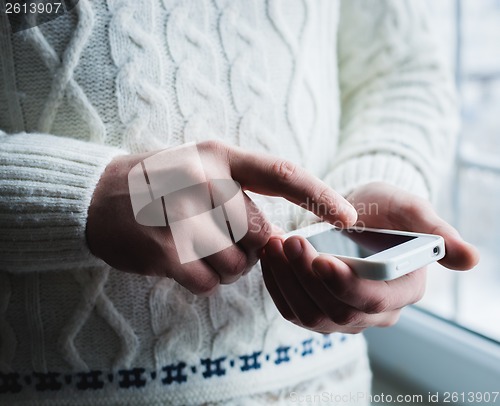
214	381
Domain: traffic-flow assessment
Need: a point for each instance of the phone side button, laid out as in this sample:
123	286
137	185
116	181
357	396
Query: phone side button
402	265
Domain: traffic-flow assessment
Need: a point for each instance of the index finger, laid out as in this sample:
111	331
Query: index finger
272	176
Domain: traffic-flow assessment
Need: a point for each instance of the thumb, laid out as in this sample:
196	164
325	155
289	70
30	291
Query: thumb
460	255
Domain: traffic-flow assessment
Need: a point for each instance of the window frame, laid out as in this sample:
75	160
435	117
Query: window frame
428	353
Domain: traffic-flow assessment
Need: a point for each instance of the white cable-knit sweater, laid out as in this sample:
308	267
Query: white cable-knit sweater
352	90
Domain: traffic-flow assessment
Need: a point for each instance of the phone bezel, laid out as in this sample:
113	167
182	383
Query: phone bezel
391	263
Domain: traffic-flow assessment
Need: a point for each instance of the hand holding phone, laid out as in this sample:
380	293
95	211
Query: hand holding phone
324	294
375	254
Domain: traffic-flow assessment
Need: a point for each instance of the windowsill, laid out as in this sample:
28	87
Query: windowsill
427	354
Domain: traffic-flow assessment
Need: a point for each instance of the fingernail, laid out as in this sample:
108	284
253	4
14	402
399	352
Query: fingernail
293	248
350	214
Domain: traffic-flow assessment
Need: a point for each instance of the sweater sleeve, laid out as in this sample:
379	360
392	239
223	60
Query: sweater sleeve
46	185
399	114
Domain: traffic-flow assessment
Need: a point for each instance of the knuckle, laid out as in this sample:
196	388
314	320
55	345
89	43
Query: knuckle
203	289
342	288
241	264
322	196
200	283
285	170
213	145
345	317
216	148
377	305
236	265
311	321
323	201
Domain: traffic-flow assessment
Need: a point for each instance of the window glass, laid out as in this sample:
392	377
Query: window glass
470	33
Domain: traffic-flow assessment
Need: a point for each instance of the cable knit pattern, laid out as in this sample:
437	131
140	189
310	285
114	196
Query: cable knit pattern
190	40
94	297
69	61
239	30
173	306
299	88
136	53
9	103
233	304
34	321
352	90
74	92
7	335
399	98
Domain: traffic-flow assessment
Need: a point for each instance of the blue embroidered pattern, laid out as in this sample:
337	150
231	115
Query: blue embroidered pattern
177	373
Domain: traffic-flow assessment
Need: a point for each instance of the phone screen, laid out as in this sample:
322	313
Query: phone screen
355	243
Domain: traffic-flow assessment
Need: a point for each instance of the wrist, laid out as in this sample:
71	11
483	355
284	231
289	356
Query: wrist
112	182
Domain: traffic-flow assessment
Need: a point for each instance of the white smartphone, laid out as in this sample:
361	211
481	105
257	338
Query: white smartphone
375	254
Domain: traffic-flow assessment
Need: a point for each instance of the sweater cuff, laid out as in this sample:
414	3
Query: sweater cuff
386	167
47	183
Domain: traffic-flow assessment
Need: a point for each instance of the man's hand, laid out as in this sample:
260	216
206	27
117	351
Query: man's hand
323	294
114	235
